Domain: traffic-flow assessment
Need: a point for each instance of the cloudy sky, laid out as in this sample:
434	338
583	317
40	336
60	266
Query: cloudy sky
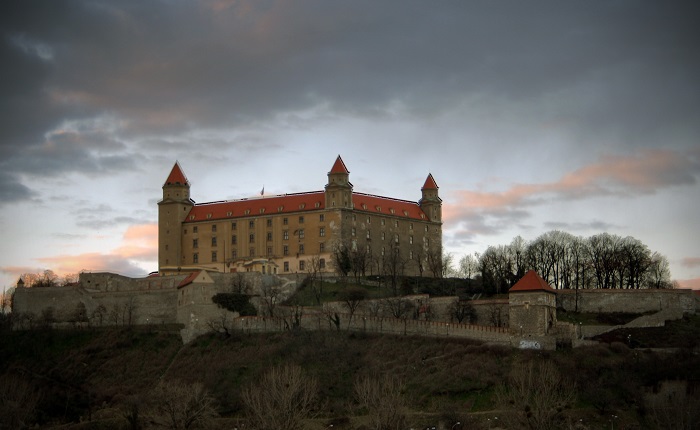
531	116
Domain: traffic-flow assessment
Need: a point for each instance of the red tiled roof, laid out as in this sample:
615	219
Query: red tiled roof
302	202
531	282
176	176
430	183
189	279
387	206
339	166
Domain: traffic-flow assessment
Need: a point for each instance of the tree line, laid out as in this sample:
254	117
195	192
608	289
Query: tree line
565	261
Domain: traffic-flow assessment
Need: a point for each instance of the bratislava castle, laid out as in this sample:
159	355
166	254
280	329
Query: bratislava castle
288	233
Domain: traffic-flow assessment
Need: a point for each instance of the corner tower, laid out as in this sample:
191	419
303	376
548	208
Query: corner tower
430	202
339	188
172	211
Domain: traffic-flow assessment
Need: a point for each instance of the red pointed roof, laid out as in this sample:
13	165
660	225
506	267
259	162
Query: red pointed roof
176	177
189	279
339	166
301	202
430	183
531	282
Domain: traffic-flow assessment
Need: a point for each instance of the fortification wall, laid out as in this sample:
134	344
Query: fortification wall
630	301
101	307
491	312
111	282
319	321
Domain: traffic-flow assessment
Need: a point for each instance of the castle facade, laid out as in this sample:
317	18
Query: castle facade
314	231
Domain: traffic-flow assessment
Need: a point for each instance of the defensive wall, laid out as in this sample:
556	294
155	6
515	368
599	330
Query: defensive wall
110	299
628	301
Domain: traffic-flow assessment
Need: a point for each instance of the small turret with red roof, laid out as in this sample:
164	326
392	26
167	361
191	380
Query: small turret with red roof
430	201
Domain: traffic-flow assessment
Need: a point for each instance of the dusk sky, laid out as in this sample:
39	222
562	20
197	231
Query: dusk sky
531	116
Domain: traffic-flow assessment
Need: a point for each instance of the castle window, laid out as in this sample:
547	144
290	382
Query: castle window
302	206
234	254
194	229
213	256
252	252
396	238
301	248
322	263
234	240
286	266
426	228
229	213
247	212
166	247
368	235
353	232
301	265
422	216
317	204
383	236
322	217
195	258
285	235
383	250
269	250
392	210
213	227
195	243
269	222
301	220
396	223
405	212
262	210
364	206
269	236
322	232
369	220
213	241
410	226
321	247
185	231
233	226
285	221
191	217
410	255
251	238
208	216
279	208
383	221
251	223
410	240
301	233
285	250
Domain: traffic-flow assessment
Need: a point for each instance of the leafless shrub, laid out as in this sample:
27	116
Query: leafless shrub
176	405
382	398
282	399
536	395
674	407
18	400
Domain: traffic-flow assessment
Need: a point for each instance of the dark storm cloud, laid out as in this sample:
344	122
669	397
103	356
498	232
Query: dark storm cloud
164	69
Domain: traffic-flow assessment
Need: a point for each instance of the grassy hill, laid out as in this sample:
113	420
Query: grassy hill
87	379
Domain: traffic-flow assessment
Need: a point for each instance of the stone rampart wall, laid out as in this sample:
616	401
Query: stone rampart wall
320	321
101	307
629	301
491	312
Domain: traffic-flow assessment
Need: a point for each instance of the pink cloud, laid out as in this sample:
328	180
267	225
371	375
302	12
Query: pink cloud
641	173
691	262
139	243
693	284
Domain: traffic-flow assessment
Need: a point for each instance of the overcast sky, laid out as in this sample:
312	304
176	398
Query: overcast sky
531	116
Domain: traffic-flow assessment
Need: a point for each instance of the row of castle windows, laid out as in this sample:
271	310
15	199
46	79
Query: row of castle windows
285	252
251	223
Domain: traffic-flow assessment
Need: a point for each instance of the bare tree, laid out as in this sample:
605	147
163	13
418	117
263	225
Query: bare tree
177	405
399	307
433	257
394	266
98	315
221	323
130	308
351	298
18	401
270	297
462	311
468	266
382	397
282	399
239	283
314	279
536	395
675	409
